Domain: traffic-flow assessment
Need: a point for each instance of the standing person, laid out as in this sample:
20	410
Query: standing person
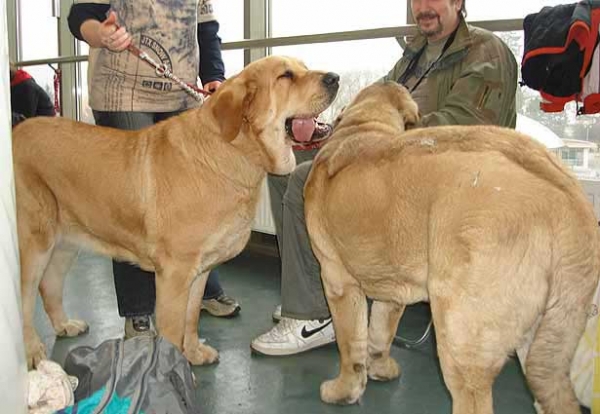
27	98
126	93
458	75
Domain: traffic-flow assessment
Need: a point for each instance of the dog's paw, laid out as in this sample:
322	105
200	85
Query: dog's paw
340	392
35	351
201	354
383	369
72	327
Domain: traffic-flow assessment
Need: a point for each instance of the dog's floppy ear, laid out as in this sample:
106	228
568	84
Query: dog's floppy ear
229	108
411	116
338	118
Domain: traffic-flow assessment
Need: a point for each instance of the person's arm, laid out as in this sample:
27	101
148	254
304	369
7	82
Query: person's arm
80	13
212	68
485	91
89	22
482	95
45	106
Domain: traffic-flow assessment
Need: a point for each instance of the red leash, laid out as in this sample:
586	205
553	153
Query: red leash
163	70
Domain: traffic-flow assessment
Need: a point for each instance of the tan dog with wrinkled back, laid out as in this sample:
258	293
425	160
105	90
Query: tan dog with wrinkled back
480	221
178	198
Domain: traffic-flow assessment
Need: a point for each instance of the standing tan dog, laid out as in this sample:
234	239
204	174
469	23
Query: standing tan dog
177	198
482	222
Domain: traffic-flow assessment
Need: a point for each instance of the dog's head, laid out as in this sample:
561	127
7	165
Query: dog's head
378	114
256	105
388	102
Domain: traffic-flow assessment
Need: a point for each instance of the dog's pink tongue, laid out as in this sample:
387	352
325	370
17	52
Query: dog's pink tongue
303	129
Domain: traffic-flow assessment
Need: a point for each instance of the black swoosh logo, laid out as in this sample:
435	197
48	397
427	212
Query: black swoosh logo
307	334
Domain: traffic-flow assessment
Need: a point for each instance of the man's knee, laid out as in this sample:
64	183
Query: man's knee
295	191
300	174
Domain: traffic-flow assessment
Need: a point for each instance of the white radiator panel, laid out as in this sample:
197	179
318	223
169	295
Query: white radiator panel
263	221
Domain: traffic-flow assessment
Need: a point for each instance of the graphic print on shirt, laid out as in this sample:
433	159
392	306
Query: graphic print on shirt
167	31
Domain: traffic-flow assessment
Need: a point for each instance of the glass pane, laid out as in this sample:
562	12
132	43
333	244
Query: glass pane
38	34
506	9
579	134
85	112
38	37
230	15
234	61
318	16
377	57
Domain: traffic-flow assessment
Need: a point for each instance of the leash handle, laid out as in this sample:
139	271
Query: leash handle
162	70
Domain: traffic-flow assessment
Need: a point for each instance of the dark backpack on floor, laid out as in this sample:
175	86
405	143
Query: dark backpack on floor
139	375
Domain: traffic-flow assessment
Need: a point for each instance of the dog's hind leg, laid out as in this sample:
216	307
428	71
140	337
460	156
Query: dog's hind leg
471	354
197	353
382	329
51	290
348	306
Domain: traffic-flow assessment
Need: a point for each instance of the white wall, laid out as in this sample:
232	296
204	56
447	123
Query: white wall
13	369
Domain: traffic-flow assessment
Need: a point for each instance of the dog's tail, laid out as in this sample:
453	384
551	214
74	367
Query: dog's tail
548	363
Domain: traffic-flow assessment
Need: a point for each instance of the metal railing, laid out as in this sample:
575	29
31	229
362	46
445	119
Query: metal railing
367	34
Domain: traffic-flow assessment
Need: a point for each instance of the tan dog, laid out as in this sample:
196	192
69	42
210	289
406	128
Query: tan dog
177	198
482	222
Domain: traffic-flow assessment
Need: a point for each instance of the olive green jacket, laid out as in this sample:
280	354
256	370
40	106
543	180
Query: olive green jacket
475	81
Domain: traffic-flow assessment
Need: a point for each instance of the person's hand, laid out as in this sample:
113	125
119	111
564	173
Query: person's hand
113	37
212	86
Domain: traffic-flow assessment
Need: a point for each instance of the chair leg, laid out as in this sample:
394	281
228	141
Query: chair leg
410	343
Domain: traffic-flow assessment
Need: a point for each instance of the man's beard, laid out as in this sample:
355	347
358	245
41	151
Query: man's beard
431	32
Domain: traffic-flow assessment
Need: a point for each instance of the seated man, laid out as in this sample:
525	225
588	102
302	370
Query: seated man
458	75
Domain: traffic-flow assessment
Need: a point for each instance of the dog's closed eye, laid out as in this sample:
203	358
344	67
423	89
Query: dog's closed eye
288	74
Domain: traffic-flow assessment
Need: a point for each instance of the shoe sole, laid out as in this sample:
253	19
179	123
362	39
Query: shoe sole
285	352
233	314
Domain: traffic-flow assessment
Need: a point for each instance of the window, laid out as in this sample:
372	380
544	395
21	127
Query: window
318	16
566	124
506	9
573	157
38	38
359	63
230	15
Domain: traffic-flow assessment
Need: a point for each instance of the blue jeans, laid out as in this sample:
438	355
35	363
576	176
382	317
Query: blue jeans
136	290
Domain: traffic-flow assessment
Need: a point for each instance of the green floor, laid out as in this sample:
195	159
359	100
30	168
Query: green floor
246	383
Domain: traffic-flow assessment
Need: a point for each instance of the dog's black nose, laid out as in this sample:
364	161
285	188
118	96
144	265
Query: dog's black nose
331	79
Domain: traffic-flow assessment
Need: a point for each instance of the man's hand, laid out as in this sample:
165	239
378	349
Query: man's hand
113	37
212	86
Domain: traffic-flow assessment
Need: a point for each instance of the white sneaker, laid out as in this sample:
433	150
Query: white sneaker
292	336
276	314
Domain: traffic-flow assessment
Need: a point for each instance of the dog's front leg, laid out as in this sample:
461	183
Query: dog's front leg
196	352
173	288
51	290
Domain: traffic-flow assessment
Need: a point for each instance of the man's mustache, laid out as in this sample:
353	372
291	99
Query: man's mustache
427	15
